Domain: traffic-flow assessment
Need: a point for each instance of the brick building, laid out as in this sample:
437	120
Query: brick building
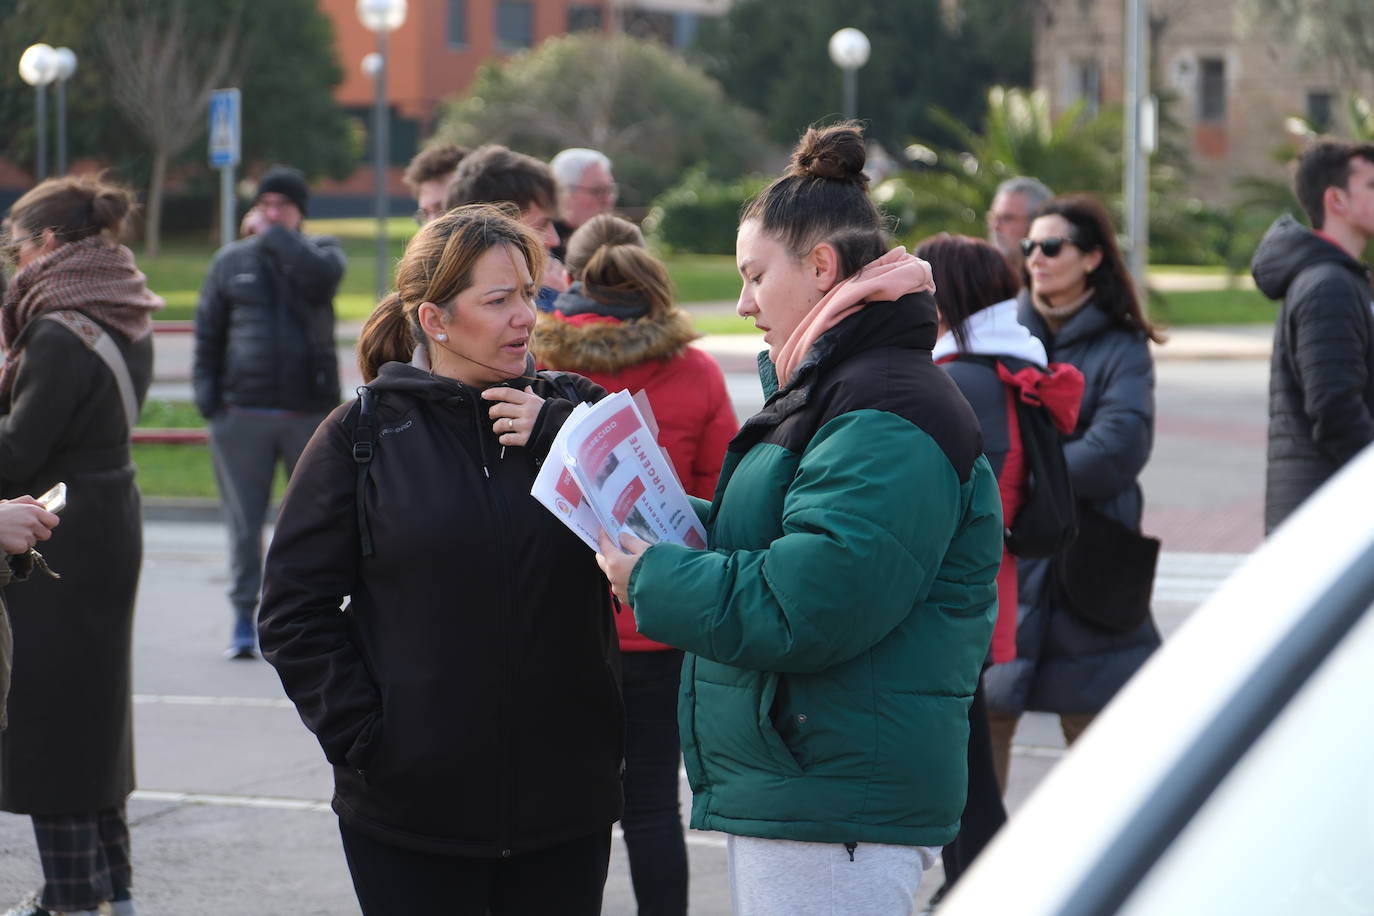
1233	88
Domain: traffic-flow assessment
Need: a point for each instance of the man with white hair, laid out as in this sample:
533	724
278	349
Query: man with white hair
1009	217
585	189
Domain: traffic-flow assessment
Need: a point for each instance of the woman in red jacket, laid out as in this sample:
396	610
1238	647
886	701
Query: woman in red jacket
617	326
976	297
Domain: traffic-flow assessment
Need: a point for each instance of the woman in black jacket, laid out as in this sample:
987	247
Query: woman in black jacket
466	695
1081	303
76	327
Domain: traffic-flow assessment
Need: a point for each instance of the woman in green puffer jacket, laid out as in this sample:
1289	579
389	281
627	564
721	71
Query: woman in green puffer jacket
836	624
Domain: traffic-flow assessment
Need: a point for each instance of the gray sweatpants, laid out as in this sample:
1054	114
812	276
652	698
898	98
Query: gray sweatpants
788	878
245	446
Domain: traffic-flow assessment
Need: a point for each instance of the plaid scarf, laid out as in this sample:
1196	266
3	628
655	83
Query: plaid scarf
90	276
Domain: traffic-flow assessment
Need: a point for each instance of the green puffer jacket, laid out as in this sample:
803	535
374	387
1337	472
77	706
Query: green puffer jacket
839	618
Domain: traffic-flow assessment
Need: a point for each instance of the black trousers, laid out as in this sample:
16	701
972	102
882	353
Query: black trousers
567	879
984	814
653	756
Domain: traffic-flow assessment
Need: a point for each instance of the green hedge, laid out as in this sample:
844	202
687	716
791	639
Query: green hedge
699	215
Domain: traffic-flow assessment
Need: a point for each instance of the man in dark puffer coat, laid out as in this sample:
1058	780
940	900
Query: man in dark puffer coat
265	371
1321	377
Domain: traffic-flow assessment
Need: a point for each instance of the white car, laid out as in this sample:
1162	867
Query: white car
1235	773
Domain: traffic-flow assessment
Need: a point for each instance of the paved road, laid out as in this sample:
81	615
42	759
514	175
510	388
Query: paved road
232	817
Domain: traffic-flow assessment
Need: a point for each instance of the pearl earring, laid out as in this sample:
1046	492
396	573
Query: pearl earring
441	337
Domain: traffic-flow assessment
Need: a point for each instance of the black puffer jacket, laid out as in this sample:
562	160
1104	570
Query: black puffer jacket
466	696
265	324
1321	374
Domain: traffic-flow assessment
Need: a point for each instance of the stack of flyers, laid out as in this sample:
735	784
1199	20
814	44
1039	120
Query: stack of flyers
605	472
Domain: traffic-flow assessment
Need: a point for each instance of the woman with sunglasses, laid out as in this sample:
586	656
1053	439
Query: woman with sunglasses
78	345
1080	301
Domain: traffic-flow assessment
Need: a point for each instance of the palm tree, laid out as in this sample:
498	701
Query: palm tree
954	186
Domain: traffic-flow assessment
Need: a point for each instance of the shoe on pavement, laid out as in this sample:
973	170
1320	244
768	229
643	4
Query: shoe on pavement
30	906
244	642
121	905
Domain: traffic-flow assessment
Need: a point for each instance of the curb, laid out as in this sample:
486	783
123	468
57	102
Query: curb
190	509
174	509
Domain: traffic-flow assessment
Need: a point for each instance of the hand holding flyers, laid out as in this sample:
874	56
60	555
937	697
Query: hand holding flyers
606	473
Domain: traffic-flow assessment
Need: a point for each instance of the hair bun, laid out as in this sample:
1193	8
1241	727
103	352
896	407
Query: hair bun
111	205
836	153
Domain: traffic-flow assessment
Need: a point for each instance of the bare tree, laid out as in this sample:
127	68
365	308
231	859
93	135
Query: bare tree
162	71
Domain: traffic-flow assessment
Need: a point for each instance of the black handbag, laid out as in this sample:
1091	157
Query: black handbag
1107	574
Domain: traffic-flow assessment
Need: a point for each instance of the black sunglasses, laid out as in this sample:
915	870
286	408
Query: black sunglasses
1051	246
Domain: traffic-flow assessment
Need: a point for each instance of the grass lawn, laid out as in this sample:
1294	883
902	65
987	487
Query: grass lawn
176	274
1221	306
182	471
159	413
1193	270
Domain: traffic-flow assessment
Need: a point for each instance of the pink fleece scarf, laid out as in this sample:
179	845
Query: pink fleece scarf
890	277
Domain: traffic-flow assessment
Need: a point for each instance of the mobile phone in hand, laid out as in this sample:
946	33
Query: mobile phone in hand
55	499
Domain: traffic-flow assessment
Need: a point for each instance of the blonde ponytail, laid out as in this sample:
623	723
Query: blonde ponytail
386	337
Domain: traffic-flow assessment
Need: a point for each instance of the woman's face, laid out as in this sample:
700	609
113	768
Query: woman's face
26	245
779	289
1061	278
488	331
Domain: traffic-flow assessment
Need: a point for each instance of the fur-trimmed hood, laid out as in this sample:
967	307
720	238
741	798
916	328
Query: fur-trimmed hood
595	343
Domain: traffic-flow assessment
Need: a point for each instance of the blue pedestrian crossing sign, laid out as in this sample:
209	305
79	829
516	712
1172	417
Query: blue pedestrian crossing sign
224	128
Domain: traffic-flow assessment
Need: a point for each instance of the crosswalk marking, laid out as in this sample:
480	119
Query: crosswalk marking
265	802
241	702
1191	578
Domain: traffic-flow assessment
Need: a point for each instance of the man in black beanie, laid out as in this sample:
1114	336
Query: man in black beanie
265	371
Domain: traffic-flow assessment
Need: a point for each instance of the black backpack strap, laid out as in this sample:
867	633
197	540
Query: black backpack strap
565	386
364	444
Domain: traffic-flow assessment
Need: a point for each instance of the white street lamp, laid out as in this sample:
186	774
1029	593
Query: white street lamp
66	66
849	49
381	17
38	66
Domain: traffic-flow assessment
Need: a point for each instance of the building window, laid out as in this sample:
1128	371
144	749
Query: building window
457	23
584	18
685	28
1087	85
649	25
1319	110
1211	97
514	24
403	134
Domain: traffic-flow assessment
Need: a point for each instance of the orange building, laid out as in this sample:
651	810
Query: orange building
436	52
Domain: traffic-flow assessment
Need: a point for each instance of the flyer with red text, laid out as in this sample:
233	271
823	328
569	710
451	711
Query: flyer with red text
606	472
